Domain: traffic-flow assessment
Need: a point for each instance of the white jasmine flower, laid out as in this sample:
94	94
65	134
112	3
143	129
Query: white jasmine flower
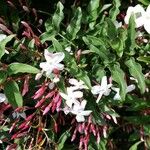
147	19
117	90
3	98
52	62
103	89
71	96
17	115
77	84
78	110
138	12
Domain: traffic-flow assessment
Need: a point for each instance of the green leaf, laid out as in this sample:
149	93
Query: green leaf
111	29
63	139
145	2
58	16
134	146
3	44
15	68
13	94
114	11
119	77
93	12
131	36
74	27
135	70
47	36
145	59
3	76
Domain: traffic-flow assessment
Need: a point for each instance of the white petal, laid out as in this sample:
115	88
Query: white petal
104	82
85	113
107	92
78	94
45	66
48	56
68	49
83	104
73	81
38	75
59	66
80	118
69	103
58	57
64	96
2	37
95	89
130	88
2	97
56	80
117	96
23	115
99	97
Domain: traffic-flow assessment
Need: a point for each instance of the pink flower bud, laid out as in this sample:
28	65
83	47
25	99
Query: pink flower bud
46	110
74	135
40	102
40	92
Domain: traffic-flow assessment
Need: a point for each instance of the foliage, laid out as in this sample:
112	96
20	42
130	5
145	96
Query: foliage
47	44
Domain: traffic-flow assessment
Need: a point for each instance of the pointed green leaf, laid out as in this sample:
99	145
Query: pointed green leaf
63	139
119	77
75	24
135	70
131	35
13	94
134	146
15	68
58	16
114	11
3	44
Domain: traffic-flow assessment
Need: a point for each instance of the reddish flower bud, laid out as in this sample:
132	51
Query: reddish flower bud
39	103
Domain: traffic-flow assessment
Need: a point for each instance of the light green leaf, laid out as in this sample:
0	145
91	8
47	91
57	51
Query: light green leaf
135	70
63	139
114	11
145	59
58	16
119	77
3	44
134	146
13	94
93	12
75	24
15	68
